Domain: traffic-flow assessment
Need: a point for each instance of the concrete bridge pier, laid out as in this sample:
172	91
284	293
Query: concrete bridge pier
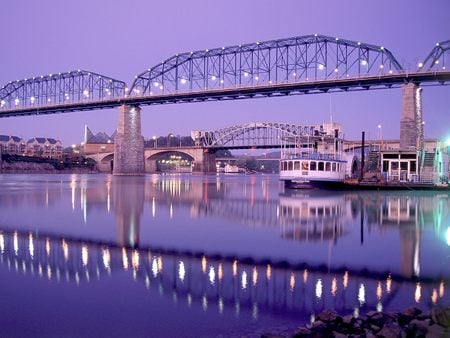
129	143
411	123
205	163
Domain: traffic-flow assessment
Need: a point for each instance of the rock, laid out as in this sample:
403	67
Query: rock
327	316
441	316
412	312
318	324
390	330
369	334
302	332
348	320
370	314
375	328
379	319
418	327
437	331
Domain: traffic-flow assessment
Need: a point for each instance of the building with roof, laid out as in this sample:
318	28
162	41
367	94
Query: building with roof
98	143
44	147
12	145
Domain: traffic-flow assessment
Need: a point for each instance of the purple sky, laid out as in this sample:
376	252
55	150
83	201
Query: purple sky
123	38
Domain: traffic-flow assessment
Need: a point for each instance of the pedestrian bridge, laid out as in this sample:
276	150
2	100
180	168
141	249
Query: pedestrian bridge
299	65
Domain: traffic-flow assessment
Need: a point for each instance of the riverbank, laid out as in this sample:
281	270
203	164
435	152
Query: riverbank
411	322
41	168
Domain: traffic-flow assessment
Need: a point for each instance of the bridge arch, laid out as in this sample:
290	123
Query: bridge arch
202	159
436	60
296	59
261	134
62	88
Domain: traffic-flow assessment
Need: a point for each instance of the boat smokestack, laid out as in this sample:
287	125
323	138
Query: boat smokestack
363	136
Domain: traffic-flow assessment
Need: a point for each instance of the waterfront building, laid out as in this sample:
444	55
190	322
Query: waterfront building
44	147
98	143
12	145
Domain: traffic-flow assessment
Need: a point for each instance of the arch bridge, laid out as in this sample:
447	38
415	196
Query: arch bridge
258	135
299	65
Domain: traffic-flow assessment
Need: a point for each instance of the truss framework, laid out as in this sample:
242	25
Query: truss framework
257	134
437	58
57	89
298	59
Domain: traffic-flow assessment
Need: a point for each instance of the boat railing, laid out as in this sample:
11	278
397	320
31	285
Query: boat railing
312	156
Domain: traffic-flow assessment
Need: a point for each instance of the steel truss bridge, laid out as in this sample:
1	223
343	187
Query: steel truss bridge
217	283
299	65
257	135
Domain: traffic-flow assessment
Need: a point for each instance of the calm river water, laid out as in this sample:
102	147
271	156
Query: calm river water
202	256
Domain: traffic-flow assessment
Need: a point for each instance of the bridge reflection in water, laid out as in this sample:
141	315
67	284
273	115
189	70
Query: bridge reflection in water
230	283
219	284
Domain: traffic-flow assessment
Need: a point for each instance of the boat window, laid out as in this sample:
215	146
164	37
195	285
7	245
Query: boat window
290	165
333	166
313	165
403	165
327	166
412	166
385	166
305	165
394	165
297	165
320	166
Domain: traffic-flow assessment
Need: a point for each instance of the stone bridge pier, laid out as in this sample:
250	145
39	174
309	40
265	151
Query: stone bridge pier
129	143
130	157
411	123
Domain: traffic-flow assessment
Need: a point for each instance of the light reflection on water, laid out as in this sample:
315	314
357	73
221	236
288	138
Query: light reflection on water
230	244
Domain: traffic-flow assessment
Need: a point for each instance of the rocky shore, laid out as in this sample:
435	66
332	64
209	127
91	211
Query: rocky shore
411	322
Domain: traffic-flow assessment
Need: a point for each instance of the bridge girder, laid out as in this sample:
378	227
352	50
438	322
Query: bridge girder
62	88
297	59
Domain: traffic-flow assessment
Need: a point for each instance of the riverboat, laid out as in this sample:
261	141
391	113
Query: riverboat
316	160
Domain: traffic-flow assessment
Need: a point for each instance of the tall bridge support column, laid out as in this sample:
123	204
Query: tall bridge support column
206	162
411	126
129	143
1	163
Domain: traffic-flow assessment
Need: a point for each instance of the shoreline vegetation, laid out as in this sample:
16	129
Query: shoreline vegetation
13	164
411	322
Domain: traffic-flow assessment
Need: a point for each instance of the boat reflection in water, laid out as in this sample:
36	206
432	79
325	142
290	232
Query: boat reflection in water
320	250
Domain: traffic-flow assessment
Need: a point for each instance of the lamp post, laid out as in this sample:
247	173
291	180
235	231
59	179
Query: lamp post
168	140
380	135
155	142
380	144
